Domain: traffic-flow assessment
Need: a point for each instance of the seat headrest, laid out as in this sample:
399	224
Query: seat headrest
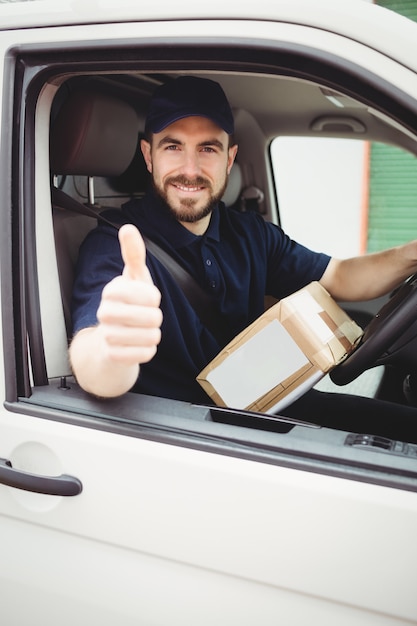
94	134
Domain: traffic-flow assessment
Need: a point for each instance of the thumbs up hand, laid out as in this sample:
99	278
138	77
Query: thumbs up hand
134	254
129	315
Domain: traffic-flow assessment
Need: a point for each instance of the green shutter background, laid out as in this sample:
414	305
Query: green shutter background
392	217
404	7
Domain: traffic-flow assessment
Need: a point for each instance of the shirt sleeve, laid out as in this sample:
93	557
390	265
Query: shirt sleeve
99	261
291	265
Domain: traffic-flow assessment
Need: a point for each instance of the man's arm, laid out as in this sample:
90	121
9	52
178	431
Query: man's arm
105	358
370	276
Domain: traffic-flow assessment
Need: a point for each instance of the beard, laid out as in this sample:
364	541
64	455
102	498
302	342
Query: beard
186	210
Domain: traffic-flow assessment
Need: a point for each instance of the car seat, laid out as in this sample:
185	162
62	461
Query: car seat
93	134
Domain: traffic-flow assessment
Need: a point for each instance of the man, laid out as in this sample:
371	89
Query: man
237	257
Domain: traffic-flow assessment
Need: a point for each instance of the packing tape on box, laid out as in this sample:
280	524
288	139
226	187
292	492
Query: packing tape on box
316	336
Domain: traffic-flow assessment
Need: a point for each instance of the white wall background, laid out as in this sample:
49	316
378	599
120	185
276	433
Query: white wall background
320	191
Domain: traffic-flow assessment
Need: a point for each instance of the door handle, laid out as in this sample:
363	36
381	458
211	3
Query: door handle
63	485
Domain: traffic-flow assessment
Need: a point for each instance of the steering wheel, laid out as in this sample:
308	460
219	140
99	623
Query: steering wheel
391	322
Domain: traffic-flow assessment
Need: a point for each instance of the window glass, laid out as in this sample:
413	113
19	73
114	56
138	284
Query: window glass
320	189
343	196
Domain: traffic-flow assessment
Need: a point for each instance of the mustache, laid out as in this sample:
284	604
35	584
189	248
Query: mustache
198	181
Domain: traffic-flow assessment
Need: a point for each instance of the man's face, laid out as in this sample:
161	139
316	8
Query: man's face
190	161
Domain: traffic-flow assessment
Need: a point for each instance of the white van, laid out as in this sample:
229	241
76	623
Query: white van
145	510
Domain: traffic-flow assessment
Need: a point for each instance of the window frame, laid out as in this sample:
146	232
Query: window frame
28	390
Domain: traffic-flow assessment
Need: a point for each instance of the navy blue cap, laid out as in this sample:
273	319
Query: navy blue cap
188	96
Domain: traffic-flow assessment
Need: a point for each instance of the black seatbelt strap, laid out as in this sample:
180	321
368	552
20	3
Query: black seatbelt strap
197	297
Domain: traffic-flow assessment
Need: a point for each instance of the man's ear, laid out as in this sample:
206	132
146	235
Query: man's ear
145	147
231	157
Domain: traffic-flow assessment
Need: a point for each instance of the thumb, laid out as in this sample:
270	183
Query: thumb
133	252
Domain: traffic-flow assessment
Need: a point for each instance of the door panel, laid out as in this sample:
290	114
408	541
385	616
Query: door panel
156	519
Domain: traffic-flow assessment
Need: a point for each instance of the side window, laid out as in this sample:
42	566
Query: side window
344	196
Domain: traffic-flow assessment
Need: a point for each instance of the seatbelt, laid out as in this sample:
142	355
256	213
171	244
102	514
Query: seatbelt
197	297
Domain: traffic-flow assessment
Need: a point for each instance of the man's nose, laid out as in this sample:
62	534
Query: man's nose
191	164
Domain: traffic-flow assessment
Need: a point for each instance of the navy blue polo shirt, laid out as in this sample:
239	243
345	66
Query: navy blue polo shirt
239	259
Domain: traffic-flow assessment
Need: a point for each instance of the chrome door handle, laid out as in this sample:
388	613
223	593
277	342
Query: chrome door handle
63	485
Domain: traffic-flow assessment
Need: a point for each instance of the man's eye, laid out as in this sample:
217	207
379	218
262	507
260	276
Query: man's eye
172	147
208	149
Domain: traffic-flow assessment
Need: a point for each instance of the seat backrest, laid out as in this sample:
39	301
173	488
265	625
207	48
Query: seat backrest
93	134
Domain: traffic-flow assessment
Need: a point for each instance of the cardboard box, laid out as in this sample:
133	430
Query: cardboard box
282	354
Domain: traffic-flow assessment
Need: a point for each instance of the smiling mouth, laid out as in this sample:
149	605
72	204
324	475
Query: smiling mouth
185	185
188	189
